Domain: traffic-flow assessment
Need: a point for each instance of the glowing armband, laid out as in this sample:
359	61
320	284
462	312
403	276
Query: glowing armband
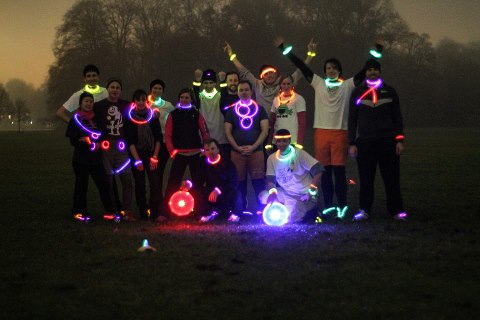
233	56
311	53
273	191
209	95
92	90
287	49
267	70
139	122
215	161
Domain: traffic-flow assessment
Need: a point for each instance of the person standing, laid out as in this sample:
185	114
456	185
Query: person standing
375	131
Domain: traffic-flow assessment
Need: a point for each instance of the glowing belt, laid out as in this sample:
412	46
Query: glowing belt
92	90
139	122
247	116
95	135
373	86
267	70
209	95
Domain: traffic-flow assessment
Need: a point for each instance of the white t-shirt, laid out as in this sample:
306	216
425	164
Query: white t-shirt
286	114
72	103
331	104
292	173
210	110
164	110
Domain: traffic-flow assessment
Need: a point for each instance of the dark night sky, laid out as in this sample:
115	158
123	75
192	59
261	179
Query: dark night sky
28	29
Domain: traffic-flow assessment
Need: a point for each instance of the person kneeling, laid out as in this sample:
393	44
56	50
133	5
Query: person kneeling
292	178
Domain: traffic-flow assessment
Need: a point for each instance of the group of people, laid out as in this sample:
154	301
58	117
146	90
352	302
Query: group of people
246	126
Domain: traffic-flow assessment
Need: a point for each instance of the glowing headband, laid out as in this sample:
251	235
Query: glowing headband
287	136
267	70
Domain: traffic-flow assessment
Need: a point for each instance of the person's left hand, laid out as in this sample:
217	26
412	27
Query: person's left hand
399	148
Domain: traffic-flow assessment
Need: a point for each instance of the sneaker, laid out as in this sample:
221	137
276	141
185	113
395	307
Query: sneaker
361	215
209	218
82	217
402	216
233	218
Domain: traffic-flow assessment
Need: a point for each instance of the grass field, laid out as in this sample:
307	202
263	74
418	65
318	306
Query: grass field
52	267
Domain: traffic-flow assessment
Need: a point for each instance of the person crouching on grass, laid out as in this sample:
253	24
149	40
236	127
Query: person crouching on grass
221	185
143	135
87	159
293	177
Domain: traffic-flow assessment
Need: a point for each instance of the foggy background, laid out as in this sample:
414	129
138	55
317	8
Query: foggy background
139	40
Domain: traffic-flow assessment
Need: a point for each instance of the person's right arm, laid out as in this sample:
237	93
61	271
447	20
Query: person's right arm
306	71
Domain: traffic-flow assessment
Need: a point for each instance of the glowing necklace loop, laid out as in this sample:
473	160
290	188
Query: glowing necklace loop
92	89
331	83
214	162
247	116
158	101
133	106
95	135
209	95
285	102
373	86
184	107
287	156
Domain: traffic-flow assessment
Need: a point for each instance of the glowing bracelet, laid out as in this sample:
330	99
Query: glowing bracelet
313	192
223	85
400	138
217	190
189	183
287	49
138	162
196	84
153	159
233	56
273	191
268	147
311	53
312	186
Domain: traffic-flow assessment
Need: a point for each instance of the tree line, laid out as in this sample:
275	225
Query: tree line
139	40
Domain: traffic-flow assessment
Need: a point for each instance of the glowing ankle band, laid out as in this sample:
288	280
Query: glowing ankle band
209	95
92	90
373	86
214	162
139	122
248	115
95	135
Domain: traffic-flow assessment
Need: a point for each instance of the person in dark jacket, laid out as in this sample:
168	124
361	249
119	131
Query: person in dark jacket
375	132
87	158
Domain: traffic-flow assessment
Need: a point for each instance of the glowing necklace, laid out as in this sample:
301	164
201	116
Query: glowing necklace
209	95
133	106
159	102
214	162
184	107
282	102
246	116
95	135
92	89
337	82
287	156
373	86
